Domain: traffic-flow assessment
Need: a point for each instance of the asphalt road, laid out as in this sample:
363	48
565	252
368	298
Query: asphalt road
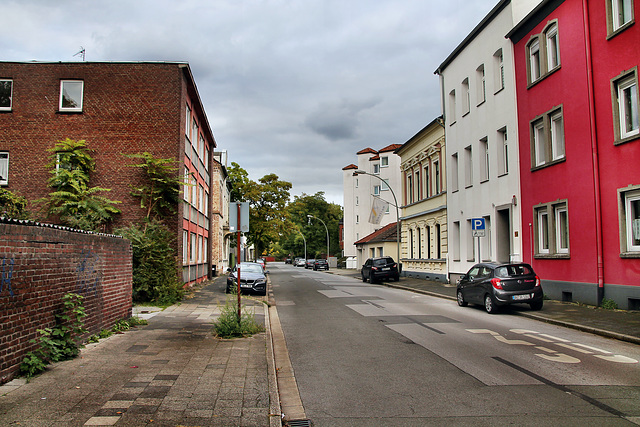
367	355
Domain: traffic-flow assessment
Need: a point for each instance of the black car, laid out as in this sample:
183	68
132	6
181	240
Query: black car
498	284
309	263
321	264
376	269
252	278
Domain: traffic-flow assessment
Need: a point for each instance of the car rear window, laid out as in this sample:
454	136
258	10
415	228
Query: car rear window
383	261
513	270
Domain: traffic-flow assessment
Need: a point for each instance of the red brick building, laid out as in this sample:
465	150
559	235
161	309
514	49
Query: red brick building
118	108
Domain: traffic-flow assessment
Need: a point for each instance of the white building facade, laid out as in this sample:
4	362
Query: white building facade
360	190
477	83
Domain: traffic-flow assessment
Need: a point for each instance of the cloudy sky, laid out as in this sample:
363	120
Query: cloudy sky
291	87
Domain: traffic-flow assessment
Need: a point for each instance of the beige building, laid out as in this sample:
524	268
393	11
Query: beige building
382	242
424	204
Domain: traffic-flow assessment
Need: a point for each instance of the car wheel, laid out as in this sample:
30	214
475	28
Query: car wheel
364	279
536	305
489	305
397	278
460	298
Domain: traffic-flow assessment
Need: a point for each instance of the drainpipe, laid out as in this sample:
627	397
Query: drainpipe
594	151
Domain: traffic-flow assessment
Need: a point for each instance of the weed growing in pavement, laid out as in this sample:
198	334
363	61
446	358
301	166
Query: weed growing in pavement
229	326
609	304
119	327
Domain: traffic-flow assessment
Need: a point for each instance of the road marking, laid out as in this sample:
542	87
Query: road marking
553	355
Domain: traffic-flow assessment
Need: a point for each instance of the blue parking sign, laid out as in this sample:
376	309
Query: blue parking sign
477	224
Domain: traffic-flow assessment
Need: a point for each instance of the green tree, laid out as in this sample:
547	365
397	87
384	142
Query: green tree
267	200
312	229
161	192
72	200
13	205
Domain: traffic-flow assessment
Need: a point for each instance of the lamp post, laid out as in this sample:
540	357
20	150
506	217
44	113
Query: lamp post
305	245
325	227
361	172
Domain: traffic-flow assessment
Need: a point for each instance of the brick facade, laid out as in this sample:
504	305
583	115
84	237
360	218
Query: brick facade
127	108
39	265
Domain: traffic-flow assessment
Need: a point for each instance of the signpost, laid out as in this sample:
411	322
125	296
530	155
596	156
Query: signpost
478	228
239	222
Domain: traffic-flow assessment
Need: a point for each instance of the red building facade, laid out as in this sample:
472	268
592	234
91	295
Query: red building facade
118	108
577	94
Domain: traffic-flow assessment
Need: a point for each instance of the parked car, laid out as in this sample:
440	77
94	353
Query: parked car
309	263
377	269
301	262
498	284
321	264
252	278
262	263
288	261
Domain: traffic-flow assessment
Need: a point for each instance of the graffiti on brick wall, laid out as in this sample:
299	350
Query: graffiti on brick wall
89	274
7	274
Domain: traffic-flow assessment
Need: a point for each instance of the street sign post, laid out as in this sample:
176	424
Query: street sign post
478	227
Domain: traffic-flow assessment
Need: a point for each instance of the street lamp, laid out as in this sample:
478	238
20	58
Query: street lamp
361	172
325	227
305	245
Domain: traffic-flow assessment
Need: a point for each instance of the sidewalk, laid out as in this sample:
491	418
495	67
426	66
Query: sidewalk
171	372
618	324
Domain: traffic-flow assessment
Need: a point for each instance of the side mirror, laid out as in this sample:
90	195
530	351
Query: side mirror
266	272
229	270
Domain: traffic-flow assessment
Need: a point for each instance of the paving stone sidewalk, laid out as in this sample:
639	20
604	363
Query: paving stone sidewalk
171	372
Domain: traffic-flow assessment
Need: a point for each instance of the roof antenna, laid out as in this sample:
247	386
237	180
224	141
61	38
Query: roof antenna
82	52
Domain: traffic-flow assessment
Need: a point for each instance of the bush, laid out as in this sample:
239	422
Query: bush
609	304
229	326
12	205
155	272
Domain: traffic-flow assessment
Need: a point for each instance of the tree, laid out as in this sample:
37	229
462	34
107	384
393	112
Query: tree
312	229
73	201
267	200
12	205
161	193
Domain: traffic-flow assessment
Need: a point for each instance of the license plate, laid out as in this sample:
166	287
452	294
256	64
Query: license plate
521	297
386	269
245	286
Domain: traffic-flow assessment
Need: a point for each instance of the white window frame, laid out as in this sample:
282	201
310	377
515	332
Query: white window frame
535	64
539	143
553	47
187	127
376	168
4	168
3	82
622	13
384	161
452	107
185	247
427	182
193	249
482	84
466	97
77	108
384	186
499	70
557	135
562	229
376	190
503	152
436	177
484	159
626	89
630	197
454	172
543	231
468	167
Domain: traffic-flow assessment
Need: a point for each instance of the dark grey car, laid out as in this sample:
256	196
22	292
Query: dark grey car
496	284
252	278
377	269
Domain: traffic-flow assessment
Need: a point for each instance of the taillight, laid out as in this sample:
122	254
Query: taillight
537	282
496	283
374	268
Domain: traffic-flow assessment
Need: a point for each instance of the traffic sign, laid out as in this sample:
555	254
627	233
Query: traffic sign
478	227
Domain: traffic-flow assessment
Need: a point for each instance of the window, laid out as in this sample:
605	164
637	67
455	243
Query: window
409	187
552	230
454	172
471	247
436	177
200	249
419	234
201	148
376	168
438	242
455	241
543	53
553	47
411	244
376	190
358	221
4	168
416	186
427	182
71	95
452	107
193	249
384	161
428	242
503	152
630	221
468	167
385	185
484	160
619	16
466	100
481	84
557	136
625	105
547	139
6	94
357	201
534	60
187	121
185	247
498	62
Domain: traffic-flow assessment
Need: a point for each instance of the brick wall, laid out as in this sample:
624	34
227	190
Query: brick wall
38	265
